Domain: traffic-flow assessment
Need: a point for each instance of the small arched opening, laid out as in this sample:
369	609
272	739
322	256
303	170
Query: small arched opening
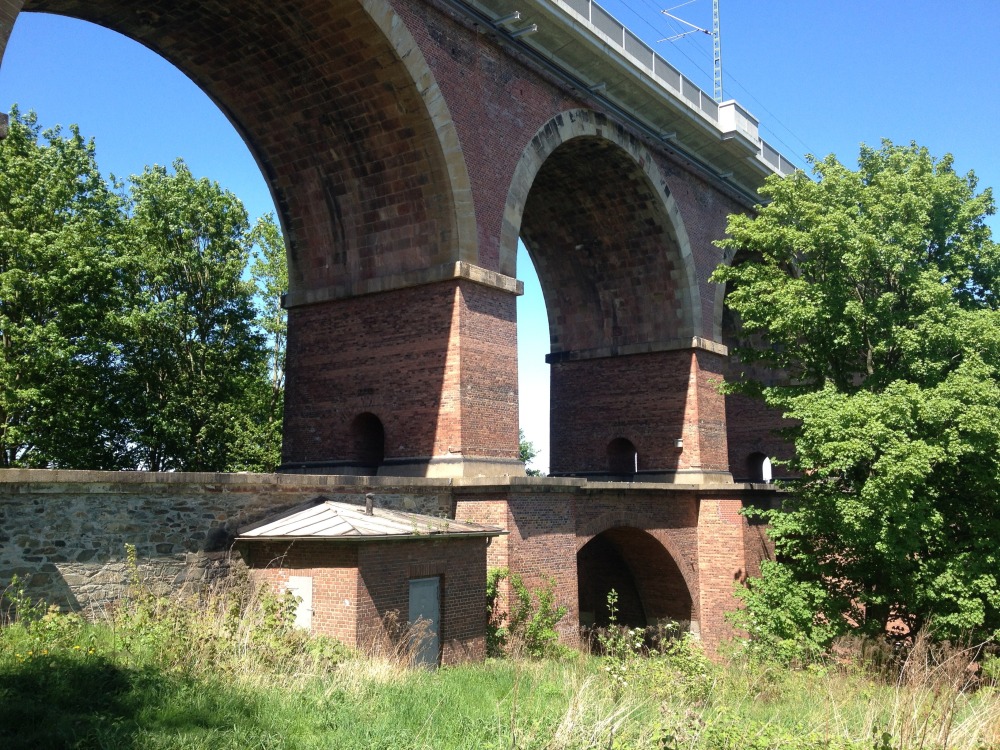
759	468
623	458
649	584
368	437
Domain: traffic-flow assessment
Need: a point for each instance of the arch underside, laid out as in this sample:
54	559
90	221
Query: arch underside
605	237
341	112
651	589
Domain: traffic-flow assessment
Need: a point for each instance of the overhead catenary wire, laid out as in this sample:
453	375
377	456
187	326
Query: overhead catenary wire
667	27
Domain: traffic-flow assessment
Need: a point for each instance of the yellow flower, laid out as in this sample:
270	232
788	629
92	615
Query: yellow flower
76	648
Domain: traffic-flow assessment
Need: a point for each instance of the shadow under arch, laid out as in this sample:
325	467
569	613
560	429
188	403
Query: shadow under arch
650	586
342	113
620	233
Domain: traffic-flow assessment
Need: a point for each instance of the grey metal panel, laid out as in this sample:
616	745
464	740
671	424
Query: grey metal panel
343	520
580	6
606	23
770	155
690	91
667	72
425	620
710	107
638	49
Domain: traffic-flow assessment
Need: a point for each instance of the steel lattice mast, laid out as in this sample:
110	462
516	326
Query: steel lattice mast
716	51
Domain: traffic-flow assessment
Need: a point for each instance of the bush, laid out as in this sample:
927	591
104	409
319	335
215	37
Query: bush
779	616
529	627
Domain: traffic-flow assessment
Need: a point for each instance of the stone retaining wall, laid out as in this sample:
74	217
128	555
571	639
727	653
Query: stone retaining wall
64	532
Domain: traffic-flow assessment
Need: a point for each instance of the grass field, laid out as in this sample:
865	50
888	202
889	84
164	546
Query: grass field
227	671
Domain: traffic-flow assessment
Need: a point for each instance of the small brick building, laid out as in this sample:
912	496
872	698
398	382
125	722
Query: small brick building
361	571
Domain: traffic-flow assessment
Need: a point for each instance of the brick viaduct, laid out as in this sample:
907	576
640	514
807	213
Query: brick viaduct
408	144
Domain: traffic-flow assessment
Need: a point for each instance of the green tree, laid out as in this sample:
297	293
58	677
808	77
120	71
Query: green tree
62	279
871	293
193	354
258	443
526	452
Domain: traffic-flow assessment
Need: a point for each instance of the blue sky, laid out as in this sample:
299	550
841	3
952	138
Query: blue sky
821	76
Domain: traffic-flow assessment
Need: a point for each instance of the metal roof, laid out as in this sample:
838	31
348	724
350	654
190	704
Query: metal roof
348	522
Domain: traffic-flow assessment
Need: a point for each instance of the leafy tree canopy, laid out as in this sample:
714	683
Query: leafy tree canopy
526	452
871	297
130	334
62	250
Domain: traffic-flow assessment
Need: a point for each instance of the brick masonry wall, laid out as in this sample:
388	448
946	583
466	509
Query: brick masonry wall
642	397
335	582
753	428
437	364
386	570
395	355
360	590
488	328
721	562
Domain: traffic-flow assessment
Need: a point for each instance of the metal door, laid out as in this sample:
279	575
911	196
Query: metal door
425	615
302	588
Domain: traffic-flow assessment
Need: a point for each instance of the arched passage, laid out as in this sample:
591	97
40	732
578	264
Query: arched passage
618	276
604	234
388	311
631	561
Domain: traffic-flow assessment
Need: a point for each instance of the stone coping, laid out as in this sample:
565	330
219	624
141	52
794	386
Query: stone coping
405	280
265	481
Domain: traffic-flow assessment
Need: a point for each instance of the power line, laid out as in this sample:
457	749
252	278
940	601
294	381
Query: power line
679	44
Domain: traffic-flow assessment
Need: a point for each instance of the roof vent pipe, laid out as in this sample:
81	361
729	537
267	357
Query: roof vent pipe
369	500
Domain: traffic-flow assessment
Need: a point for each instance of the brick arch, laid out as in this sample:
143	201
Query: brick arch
605	235
597	525
342	113
650	583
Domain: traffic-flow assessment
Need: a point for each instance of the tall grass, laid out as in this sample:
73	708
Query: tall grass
226	669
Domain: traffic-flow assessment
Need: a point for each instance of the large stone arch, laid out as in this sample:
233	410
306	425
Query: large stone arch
339	107
589	160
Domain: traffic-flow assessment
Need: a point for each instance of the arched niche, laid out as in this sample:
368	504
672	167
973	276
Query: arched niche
651	589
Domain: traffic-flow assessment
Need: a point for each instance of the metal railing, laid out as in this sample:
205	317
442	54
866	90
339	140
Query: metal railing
612	31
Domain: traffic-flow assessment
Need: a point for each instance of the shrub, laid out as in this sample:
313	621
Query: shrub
779	616
620	646
529	625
